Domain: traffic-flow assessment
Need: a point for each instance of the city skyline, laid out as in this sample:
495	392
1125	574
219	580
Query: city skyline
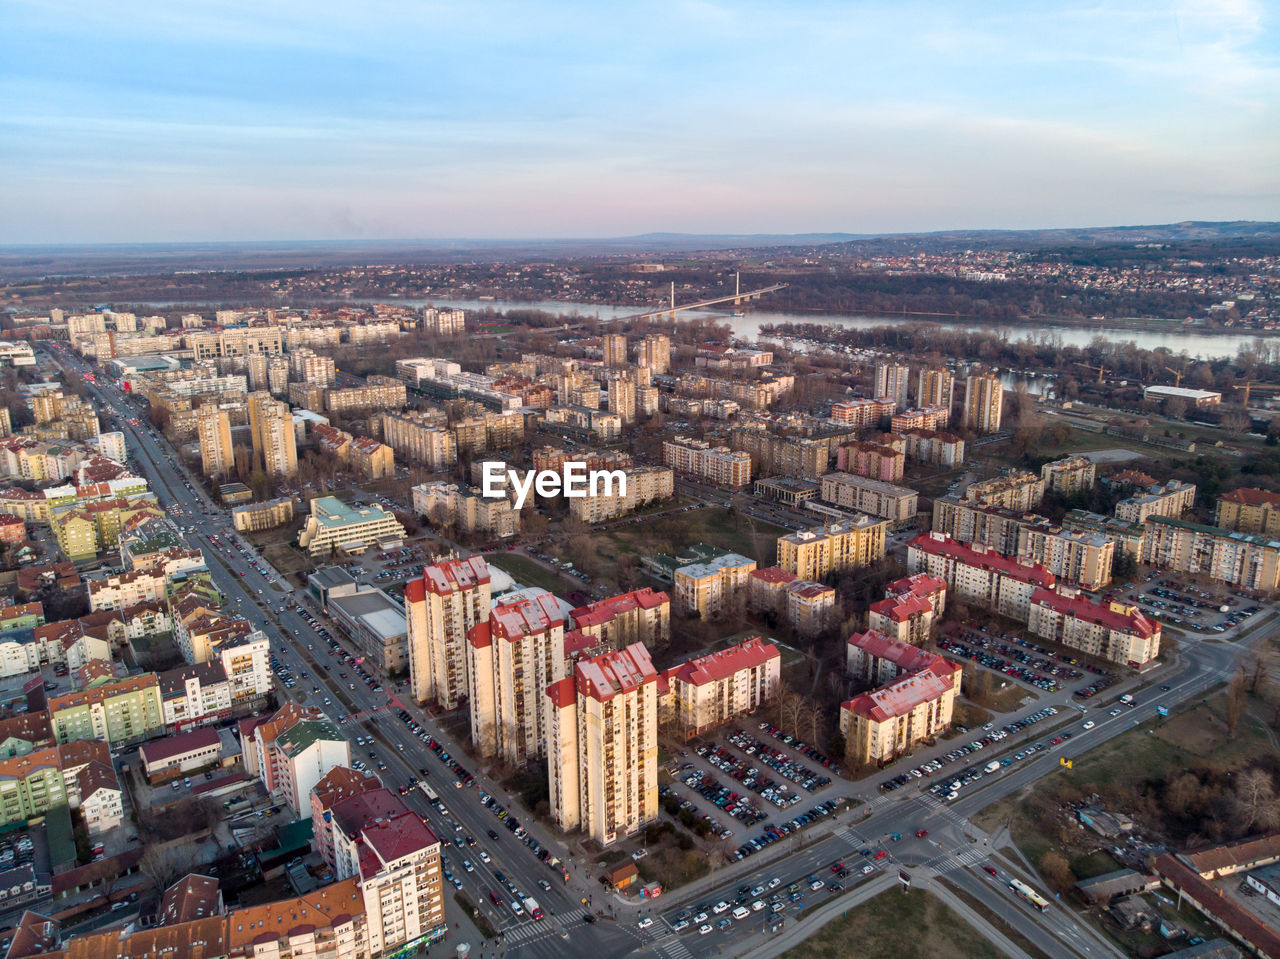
226	122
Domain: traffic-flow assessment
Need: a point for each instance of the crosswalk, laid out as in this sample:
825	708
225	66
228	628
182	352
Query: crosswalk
950	863
528	931
939	808
671	945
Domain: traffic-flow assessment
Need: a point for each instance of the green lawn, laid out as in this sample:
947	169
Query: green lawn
528	573
895	925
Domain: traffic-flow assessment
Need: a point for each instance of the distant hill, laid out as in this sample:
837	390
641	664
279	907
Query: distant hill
18	262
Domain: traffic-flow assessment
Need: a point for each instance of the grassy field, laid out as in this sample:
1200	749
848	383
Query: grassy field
528	573
716	526
896	926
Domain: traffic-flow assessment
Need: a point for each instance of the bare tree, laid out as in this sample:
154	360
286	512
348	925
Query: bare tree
1057	871
165	864
1254	801
1235	702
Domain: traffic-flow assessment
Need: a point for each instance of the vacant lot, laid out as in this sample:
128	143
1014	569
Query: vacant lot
716	526
528	573
896	926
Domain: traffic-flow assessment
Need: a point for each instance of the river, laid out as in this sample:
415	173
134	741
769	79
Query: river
1197	345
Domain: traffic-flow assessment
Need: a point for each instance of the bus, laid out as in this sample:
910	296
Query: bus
429	792
1030	895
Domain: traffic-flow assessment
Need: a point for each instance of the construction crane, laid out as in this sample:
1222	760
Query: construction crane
1102	370
1177	376
1251	387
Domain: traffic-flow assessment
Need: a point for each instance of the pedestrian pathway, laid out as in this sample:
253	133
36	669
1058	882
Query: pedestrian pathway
949	863
671	945
528	931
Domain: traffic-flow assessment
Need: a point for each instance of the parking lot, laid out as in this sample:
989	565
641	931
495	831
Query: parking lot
1018	657
1208	609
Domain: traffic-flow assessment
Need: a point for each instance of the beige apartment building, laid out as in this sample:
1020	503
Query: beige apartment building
1253	511
271	425
239	341
447	504
708	587
897	504
1173	499
862	412
717	464
1070	475
935	387
910	608
441	606
378	393
310	367
715	689
983	403
978	575
217	456
790	455
891	381
613	349
255	517
934	448
810	607
420	438
1114	631
370	458
602	745
1239	559
913	708
1075	556
622	397
512	657
644	484
972	522
640	616
848	544
920	418
655	353
1020	491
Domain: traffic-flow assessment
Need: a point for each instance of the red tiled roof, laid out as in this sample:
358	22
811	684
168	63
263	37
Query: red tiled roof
939	544
392	839
774	575
1133	622
605	610
604	676
1250	497
906	657
562	692
901	609
1232	916
161	749
524	617
724	663
905	693
455	575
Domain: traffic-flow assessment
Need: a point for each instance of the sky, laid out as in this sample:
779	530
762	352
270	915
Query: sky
186	121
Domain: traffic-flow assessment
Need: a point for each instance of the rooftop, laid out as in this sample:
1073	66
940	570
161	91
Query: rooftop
939	544
724	663
1115	616
607	675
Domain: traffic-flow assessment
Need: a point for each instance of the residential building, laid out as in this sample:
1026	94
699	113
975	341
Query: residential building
334	788
1115	631
334	526
196	695
934	448
1252	511
1126	538
261	516
32	784
920	418
613	349
640	616
891	721
294	750
935	387
873	460
644	485
715	689
274	439
513	656
978	575
874	659
655	353
378	393
863	413
1173	499
1074	556
972	522
983	403
766	590
310	367
421	439
602	744
119	712
1239	559
370	458
910	608
897	504
452	504
444	322
708	587
810	606
849	544
1015	490
217	456
238	341
718	464
1069	475
772	453
180	754
891	383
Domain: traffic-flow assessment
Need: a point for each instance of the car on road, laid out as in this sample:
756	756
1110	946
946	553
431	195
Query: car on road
880	854
921	833
988	868
1089	724
645	923
680	925
702	929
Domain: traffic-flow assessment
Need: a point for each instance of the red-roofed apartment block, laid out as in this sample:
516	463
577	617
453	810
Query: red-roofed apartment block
978	575
1118	632
712	690
910	608
641	616
602	744
449	599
